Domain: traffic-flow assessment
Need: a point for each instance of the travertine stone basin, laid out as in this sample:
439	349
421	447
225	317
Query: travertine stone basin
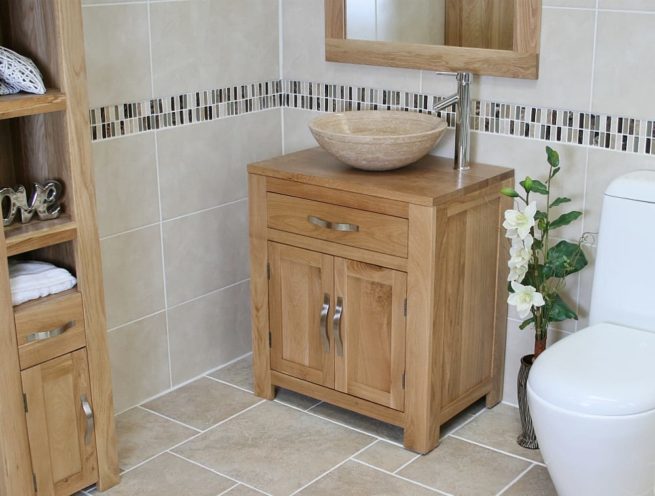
378	140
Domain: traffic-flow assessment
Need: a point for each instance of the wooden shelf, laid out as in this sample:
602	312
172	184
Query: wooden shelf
39	234
22	104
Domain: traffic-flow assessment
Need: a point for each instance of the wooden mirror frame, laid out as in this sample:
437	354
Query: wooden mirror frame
521	62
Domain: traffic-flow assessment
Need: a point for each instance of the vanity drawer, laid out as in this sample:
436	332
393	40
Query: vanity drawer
345	225
49	327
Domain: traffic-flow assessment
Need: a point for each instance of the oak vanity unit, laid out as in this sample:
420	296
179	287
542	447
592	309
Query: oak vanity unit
383	293
57	432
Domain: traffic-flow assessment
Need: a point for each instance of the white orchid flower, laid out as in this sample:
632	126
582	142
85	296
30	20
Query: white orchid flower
517	273
524	298
518	223
520	252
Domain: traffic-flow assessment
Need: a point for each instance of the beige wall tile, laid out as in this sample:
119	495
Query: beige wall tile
622	81
206	251
209	331
169	475
117	53
204	165
303	28
355	479
138	354
142	435
202	403
211	44
126	183
132	271
645	5
277	444
586	285
604	167
583	4
459	467
564	73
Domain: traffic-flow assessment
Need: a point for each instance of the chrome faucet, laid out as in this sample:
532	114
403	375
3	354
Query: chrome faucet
462	99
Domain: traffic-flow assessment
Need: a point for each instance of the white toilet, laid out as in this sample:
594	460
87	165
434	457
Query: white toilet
592	395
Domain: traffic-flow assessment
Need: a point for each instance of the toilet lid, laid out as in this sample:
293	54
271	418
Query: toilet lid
605	369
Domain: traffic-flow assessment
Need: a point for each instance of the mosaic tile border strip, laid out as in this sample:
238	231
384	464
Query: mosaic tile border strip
559	126
554	125
160	113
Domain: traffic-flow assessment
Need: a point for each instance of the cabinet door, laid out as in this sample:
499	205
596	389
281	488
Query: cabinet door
370	363
300	300
60	424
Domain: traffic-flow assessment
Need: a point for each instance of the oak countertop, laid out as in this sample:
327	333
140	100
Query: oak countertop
430	181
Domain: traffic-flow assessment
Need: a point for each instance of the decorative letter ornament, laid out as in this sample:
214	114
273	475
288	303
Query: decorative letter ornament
44	202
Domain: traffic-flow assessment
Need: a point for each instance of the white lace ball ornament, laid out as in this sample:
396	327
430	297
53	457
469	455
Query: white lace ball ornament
7	89
20	72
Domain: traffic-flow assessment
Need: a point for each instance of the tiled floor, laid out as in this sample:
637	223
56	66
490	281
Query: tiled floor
213	437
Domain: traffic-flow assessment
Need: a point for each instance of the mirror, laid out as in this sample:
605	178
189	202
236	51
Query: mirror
487	37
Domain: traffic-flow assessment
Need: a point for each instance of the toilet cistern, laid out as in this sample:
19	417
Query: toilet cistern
462	100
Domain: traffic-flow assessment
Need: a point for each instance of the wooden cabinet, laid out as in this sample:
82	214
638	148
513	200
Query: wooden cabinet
60	424
57	432
338	323
384	293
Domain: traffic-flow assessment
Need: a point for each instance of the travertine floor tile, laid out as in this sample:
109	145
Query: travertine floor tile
142	435
386	456
274	448
239	373
498	428
202	403
242	490
464	469
355	479
295	399
168	475
366	424
536	482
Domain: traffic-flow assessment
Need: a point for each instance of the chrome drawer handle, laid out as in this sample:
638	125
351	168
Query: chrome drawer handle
335	226
52	333
323	328
336	325
88	414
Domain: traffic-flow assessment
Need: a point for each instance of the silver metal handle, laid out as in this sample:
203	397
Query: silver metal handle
325	309
88	414
51	333
336	325
335	226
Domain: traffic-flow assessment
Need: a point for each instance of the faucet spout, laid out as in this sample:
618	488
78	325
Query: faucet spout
462	99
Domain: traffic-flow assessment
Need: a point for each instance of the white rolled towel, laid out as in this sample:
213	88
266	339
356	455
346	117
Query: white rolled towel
30	280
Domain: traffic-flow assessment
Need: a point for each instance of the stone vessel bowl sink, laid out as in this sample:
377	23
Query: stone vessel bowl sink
378	140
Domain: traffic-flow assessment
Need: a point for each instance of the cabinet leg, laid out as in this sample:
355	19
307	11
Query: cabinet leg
421	444
267	392
494	397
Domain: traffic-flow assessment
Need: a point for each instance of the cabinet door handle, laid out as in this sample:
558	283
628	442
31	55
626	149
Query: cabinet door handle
323	329
51	333
88	414
335	226
336	325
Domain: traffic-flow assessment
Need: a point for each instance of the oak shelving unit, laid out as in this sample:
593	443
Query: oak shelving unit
57	432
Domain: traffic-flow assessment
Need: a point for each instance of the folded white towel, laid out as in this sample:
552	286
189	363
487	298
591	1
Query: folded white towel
31	280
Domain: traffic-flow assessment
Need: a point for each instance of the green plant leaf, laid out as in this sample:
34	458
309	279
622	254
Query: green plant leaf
565	219
554	171
526	323
552	156
527	184
559	201
559	310
563	259
539	187
511	192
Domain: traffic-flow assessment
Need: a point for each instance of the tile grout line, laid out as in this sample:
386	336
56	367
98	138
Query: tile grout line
397	476
204	210
514	481
404	465
210	293
171	419
225	383
182	457
333	468
491	448
229	489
